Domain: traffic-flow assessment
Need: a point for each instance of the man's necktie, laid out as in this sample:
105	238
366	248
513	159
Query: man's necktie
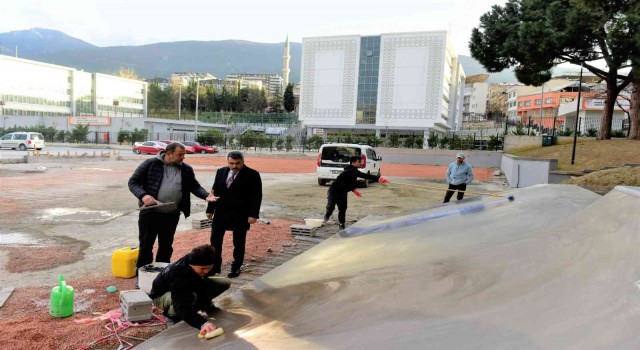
230	179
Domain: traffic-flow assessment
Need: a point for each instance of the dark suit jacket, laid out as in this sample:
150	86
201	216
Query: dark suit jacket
237	203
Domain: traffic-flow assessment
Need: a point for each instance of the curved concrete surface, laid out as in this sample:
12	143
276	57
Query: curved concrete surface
554	269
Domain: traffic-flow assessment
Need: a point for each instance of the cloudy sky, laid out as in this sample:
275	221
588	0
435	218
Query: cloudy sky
136	22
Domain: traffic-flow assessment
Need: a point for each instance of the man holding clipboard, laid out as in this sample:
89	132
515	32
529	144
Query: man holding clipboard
164	184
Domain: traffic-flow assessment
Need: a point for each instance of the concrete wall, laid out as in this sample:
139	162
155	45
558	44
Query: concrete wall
479	159
524	172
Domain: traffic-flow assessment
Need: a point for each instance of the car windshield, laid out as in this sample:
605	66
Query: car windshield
37	137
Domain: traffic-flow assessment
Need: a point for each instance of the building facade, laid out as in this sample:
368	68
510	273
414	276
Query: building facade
399	82
541	107
36	89
272	83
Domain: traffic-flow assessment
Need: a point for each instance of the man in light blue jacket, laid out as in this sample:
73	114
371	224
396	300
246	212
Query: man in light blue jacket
459	174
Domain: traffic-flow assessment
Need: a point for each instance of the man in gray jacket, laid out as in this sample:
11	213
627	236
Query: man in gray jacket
160	180
459	175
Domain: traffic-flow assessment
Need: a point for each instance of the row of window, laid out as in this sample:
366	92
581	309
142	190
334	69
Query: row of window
122	99
536	102
11	111
35	100
120	110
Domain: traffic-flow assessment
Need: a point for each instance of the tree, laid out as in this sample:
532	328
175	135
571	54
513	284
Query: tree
129	73
256	100
533	36
289	100
276	101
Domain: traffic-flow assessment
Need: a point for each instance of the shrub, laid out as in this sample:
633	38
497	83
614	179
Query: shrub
433	140
591	132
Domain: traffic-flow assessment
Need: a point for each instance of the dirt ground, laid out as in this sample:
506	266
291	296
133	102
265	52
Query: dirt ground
68	219
590	154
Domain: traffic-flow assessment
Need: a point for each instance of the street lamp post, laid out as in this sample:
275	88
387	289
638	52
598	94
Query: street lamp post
575	129
116	103
197	95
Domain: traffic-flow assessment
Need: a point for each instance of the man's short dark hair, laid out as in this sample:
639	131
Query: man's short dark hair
172	147
203	255
237	155
354	159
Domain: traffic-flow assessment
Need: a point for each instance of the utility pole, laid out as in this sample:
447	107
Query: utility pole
541	110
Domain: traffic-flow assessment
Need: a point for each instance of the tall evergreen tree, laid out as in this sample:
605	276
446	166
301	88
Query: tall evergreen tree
289	100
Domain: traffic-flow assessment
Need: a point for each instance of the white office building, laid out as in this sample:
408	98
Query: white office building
31	89
398	82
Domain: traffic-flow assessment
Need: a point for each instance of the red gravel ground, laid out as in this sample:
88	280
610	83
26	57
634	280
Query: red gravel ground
24	325
309	166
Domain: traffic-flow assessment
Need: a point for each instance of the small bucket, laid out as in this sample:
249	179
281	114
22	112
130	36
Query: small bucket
61	301
147	273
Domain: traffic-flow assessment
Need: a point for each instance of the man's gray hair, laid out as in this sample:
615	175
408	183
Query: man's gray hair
237	155
172	147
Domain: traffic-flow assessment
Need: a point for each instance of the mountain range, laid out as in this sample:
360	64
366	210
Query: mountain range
160	60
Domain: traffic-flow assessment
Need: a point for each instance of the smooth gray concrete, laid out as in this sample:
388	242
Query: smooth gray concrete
554	269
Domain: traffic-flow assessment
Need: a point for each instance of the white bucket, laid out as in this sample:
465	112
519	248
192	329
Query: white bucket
313	222
145	278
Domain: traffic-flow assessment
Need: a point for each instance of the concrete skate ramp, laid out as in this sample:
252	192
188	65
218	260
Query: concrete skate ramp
554	269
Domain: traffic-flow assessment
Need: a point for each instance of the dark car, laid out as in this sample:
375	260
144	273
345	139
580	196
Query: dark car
200	148
149	147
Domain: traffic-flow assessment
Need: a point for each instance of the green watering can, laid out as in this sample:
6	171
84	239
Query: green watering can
61	301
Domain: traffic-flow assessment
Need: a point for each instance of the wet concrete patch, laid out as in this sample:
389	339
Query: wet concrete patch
21	239
82	215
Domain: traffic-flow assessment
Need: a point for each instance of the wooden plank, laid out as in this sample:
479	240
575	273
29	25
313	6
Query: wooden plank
4	294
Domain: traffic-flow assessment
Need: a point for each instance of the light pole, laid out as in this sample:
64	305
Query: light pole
115	112
575	129
197	95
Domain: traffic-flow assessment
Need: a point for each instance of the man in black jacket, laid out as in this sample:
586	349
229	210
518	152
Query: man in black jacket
163	179
345	183
238	196
187	286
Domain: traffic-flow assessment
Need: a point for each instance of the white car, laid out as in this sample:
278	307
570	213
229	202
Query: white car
22	140
333	157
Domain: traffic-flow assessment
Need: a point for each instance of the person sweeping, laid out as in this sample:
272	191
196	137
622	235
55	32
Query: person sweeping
345	183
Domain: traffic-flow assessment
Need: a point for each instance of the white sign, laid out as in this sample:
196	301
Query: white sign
598	103
90	120
318	131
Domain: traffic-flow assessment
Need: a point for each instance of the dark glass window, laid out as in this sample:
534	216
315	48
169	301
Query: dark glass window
368	80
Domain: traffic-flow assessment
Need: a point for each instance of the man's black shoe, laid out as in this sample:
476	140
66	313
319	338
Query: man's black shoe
234	273
342	226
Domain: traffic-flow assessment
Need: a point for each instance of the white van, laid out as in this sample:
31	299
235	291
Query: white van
333	157
22	140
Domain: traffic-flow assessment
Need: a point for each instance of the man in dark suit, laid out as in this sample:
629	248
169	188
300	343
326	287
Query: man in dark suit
238	192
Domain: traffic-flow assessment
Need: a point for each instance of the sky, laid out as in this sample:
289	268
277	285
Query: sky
138	22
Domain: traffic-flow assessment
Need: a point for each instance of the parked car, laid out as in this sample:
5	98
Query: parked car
22	140
149	147
333	157
200	148
187	149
